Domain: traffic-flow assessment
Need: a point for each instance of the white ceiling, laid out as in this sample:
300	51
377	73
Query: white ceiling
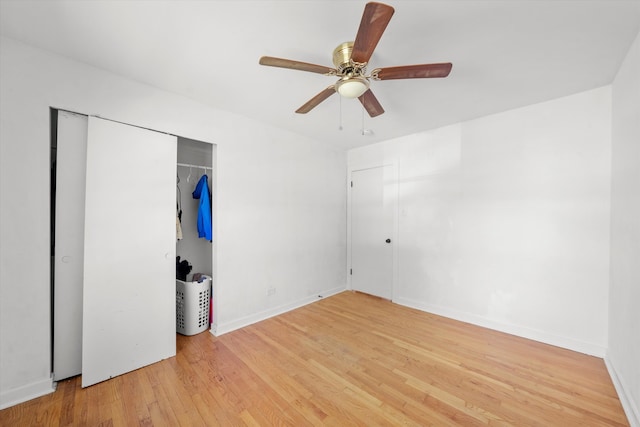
505	54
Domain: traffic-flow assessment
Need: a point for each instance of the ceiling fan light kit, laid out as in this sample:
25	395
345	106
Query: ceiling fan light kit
350	60
352	86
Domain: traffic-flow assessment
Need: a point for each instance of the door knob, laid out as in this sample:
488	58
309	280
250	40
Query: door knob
388	240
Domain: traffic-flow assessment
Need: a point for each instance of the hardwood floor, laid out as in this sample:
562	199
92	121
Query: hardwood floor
350	359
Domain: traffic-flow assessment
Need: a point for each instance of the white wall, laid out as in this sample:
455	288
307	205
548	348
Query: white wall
280	217
504	220
623	354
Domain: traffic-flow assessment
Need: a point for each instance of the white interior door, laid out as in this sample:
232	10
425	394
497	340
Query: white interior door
129	258
71	155
371	233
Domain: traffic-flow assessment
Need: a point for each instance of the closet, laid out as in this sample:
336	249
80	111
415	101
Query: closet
194	160
113	246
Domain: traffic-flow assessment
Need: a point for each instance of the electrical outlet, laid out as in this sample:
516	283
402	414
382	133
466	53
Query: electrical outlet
271	291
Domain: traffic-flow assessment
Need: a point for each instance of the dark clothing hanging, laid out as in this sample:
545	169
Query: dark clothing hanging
182	269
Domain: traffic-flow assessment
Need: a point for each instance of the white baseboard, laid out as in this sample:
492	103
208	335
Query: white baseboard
629	406
26	392
532	334
224	328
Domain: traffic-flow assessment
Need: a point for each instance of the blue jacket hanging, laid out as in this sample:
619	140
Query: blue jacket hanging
204	208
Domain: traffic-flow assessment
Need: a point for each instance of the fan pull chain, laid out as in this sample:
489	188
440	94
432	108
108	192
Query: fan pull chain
340	118
363	130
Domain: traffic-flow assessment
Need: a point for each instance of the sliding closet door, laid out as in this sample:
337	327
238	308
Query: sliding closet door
69	244
129	258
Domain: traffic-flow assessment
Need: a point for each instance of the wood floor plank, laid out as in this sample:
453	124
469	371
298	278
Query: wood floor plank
347	360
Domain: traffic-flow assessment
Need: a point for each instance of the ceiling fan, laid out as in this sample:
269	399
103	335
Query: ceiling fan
350	60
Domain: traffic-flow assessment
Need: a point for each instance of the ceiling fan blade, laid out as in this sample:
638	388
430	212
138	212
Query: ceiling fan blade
420	71
296	65
371	104
313	102
374	21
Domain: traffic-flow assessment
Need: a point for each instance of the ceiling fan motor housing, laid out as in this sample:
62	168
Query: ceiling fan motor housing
344	64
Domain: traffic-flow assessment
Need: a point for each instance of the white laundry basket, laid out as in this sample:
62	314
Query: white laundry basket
192	306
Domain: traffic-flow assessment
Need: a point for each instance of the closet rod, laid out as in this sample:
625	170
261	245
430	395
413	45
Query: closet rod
194	166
